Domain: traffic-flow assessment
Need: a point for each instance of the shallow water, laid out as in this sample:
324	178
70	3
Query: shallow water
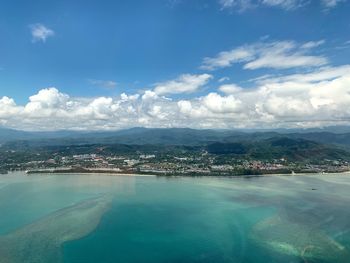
100	218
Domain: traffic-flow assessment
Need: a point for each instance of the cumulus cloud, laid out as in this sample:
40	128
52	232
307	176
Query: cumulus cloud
40	32
300	100
47	102
221	104
276	55
8	107
186	83
316	98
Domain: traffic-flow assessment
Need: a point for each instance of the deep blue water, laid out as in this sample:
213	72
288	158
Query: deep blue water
99	218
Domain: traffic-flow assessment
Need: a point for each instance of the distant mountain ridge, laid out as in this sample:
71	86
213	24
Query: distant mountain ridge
166	136
312	147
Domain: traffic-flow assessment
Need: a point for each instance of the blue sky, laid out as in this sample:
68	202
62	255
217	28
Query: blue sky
89	50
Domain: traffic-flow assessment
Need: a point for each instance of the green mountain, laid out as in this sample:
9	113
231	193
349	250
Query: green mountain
174	136
280	147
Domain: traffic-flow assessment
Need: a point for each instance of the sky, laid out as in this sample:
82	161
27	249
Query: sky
217	64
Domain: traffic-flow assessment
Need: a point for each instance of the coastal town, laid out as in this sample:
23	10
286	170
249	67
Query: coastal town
188	163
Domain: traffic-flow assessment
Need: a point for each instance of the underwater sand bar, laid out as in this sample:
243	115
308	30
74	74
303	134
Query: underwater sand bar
41	241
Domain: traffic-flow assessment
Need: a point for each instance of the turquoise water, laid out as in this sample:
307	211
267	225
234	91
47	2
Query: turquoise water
99	218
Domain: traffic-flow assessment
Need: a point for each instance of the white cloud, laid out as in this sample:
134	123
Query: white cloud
285	4
276	55
185	106
125	97
184	84
242	5
239	4
149	95
223	79
46	103
108	84
221	104
230	89
300	100
227	58
8	107
331	3
40	32
313	44
319	75
316	98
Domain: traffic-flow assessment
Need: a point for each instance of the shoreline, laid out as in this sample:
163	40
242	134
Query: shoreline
114	172
87	172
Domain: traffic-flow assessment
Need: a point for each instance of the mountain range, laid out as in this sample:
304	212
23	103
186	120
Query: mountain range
171	136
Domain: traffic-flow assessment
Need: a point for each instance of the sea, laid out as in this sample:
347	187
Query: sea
78	218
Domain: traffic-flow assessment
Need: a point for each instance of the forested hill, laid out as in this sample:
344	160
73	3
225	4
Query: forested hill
173	136
280	147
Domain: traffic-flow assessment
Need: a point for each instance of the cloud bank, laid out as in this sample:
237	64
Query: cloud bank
317	98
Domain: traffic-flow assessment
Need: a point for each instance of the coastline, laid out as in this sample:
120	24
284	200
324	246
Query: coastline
87	172
118	172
